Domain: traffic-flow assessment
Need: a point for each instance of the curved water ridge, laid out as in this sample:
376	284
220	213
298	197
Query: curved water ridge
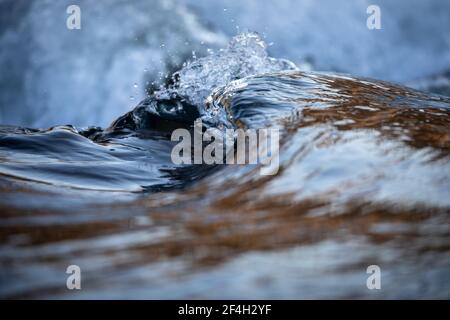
343	140
134	153
364	179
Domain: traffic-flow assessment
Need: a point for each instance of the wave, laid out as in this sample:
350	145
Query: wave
92	75
125	50
361	162
133	154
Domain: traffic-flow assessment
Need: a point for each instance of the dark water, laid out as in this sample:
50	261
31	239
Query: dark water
364	179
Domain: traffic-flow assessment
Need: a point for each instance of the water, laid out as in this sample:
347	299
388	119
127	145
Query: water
85	70
92	71
364	179
331	35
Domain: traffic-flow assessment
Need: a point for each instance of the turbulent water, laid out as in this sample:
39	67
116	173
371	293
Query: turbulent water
364	179
125	48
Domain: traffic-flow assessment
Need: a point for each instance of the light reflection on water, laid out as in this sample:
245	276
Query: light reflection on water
364	179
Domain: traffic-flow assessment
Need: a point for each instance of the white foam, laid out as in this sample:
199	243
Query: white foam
246	55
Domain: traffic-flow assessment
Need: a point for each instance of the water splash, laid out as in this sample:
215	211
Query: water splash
246	55
59	76
364	178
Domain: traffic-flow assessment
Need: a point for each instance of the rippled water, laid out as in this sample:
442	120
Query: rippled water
364	179
102	70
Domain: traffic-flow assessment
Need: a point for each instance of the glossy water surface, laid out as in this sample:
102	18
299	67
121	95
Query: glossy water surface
364	179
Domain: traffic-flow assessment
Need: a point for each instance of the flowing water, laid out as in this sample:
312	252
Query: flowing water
364	179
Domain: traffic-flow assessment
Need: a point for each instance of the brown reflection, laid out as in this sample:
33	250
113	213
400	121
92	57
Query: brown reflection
215	221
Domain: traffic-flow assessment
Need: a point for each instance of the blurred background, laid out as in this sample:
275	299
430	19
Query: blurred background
51	75
364	173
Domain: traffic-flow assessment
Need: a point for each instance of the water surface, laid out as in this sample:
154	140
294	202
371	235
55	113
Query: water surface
364	179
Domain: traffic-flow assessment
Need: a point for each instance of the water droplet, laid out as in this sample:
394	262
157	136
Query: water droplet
131	98
135	85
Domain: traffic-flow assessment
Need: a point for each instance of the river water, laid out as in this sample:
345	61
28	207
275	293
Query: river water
364	179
